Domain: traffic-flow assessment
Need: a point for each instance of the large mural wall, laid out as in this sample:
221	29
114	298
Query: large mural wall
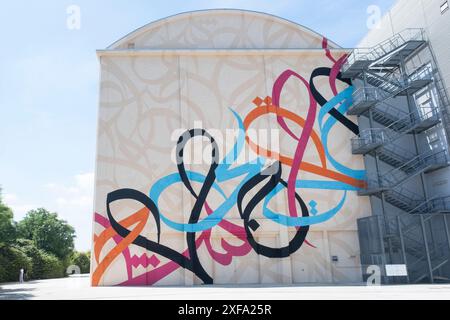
249	209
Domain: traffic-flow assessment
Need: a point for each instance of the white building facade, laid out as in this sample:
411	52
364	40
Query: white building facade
179	200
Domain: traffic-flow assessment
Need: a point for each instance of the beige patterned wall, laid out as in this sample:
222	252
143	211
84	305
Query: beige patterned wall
222	29
150	91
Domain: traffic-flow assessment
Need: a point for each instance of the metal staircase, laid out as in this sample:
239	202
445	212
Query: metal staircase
384	118
435	205
413	203
413	123
384	80
423	163
403	199
394	155
386	54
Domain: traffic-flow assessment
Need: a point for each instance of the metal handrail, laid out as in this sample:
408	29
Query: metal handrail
413	34
365	94
391	110
439	202
408	194
433	157
404	154
368	137
394	177
359	54
410	34
392	84
424	72
391	133
396	156
420	162
408	202
413	118
385	47
392	81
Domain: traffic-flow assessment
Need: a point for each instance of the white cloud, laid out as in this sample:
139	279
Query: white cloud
78	194
9	197
14	202
85	181
74	203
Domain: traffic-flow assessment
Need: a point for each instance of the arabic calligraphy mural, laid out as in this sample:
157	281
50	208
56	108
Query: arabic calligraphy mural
197	222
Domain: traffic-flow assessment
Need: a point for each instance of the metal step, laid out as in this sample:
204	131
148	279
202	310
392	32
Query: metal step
383	84
395	58
390	160
380	183
363	99
351	71
373	138
387	120
395	156
413	86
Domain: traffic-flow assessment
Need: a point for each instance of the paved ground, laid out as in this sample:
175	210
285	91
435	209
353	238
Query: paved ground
78	288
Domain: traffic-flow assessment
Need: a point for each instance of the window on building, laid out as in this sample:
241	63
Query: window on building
434	141
444	7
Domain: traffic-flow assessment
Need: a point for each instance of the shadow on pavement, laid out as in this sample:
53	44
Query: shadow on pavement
15	294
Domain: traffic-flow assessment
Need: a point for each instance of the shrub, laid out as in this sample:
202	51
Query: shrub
50	266
11	261
45	265
82	260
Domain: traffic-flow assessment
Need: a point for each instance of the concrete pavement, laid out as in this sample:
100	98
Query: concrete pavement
79	288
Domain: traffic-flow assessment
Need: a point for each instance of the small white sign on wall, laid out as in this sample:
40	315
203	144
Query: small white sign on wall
396	270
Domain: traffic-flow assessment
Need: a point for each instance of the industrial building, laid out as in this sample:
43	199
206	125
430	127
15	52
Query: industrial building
401	73
352	173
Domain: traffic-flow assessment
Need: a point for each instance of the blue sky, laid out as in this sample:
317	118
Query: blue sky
49	87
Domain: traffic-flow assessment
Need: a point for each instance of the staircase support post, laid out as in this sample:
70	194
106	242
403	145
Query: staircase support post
447	232
383	250
427	250
386	226
433	238
402	244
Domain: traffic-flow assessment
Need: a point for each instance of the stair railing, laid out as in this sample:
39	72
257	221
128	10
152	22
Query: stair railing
384	48
405	195
419	163
369	137
434	205
390	110
398	152
395	177
390	83
399	39
364	94
425	72
393	132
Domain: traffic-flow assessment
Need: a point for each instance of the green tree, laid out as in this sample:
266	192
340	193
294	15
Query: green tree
82	260
7	225
11	261
45	265
49	233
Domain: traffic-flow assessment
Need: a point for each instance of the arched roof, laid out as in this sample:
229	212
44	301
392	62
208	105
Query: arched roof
222	29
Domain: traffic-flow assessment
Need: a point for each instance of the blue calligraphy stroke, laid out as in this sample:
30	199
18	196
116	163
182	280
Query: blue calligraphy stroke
345	98
224	172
